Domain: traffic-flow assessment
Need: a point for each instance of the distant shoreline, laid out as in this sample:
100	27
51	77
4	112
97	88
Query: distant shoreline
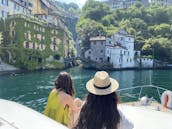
20	71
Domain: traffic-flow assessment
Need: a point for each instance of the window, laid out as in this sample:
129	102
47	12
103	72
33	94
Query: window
42	46
94	43
54	47
121	52
89	52
25	4
33	45
30	58
16	7
27	44
30	4
5	2
4	14
13	33
13	23
54	40
101	51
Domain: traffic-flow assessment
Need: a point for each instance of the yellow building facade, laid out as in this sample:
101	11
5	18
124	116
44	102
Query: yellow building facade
39	6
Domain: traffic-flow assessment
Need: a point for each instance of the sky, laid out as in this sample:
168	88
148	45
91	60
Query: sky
79	2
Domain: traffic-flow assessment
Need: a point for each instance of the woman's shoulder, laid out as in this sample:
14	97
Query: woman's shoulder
65	95
53	92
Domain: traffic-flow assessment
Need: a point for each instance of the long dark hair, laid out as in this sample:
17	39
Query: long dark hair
64	83
99	112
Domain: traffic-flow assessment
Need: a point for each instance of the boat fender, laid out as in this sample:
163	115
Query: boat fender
144	100
166	99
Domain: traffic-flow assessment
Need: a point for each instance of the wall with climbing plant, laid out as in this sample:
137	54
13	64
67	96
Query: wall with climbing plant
32	43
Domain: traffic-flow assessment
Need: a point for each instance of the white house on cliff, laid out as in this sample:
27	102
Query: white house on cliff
117	50
120	50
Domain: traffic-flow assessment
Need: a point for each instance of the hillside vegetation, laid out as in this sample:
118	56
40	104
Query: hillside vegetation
151	26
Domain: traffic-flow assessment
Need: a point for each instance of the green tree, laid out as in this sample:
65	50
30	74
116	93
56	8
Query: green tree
161	48
95	10
87	28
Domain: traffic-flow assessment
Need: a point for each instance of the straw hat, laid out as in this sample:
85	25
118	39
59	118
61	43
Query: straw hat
102	84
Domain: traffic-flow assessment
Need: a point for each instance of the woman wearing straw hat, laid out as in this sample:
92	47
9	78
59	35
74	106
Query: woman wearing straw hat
100	109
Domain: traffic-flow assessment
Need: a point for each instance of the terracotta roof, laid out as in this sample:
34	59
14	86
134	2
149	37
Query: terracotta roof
98	38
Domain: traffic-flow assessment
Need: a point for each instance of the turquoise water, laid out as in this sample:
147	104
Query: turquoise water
32	89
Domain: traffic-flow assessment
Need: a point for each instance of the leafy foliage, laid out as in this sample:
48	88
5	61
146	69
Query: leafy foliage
151	26
32	58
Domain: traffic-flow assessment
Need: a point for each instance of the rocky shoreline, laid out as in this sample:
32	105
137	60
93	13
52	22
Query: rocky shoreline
6	68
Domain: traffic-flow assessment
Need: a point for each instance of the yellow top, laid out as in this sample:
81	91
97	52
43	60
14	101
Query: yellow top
55	110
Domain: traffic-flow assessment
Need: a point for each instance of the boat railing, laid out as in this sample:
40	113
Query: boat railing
159	90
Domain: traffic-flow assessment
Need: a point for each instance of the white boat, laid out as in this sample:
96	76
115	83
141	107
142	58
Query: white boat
147	114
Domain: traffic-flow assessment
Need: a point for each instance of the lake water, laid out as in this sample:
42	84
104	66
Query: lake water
32	89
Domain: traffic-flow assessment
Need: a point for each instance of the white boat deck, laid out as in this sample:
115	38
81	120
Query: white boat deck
17	116
147	117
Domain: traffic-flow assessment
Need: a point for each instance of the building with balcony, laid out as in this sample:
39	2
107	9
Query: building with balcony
10	7
35	39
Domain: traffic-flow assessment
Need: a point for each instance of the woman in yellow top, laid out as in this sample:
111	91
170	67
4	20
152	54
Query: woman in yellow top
60	102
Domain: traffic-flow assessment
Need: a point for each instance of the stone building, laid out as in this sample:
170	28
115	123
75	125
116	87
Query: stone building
97	49
117	50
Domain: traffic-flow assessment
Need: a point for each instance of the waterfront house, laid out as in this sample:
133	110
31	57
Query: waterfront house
120	50
96	52
121	54
117	50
